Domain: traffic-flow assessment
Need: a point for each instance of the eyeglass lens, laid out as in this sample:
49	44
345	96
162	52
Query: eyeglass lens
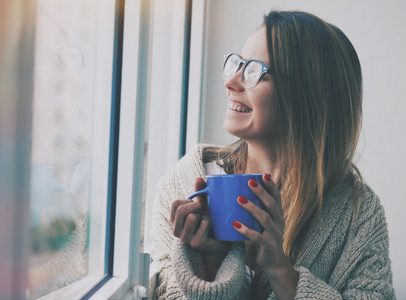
231	66
251	74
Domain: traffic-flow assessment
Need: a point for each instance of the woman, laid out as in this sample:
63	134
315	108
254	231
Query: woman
295	102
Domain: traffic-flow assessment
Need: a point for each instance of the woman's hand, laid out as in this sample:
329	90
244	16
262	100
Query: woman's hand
270	258
191	224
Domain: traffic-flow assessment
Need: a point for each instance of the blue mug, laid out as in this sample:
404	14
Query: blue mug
222	192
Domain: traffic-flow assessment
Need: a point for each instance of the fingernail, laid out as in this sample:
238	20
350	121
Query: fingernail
242	200
237	224
253	182
267	177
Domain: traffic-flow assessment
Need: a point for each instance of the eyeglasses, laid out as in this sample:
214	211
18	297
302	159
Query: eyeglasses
252	70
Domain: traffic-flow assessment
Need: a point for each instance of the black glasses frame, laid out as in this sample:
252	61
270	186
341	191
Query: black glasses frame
264	70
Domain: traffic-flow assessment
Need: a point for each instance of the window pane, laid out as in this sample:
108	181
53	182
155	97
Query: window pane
70	146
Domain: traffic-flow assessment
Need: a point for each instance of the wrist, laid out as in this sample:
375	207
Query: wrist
283	281
213	261
215	257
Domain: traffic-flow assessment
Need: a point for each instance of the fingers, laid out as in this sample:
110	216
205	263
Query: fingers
263	217
181	213
184	212
174	208
269	198
201	233
192	223
253	235
262	240
199	185
272	189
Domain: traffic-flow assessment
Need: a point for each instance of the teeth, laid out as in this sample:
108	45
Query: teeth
238	108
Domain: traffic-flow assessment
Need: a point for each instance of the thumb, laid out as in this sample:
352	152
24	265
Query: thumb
199	185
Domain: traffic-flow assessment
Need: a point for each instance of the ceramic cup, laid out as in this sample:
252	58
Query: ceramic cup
222	192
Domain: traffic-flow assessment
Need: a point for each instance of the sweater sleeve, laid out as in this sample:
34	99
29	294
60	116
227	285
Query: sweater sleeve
180	267
187	265
162	239
370	278
368	274
363	271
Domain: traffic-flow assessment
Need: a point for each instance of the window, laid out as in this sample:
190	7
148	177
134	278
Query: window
108	92
71	138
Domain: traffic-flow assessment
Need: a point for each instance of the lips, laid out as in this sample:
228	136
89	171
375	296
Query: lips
238	107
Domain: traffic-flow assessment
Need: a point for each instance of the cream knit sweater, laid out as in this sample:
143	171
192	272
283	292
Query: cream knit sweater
338	259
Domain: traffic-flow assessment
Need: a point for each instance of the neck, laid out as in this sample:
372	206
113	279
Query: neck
262	159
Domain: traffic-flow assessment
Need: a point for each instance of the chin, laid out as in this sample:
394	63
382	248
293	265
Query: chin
233	130
227	127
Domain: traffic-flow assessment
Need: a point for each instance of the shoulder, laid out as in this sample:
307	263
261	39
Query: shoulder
369	211
181	179
352	207
362	205
356	193
194	160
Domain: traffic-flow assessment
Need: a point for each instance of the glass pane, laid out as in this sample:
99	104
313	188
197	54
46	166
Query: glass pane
70	141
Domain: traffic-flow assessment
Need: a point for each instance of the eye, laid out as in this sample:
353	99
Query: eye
234	60
252	73
231	66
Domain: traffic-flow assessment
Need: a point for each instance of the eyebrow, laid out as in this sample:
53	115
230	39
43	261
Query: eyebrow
265	63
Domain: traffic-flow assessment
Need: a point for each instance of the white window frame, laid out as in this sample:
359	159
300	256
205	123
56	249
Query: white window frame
161	160
130	265
128	270
196	73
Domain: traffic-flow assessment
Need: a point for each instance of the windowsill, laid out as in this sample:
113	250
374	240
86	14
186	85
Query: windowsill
116	286
75	290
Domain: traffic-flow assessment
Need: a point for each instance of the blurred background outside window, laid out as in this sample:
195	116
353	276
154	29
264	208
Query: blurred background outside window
70	142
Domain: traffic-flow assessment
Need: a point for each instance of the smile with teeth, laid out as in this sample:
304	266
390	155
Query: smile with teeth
236	107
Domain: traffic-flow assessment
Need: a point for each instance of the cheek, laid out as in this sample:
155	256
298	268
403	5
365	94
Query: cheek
263	100
266	117
265	108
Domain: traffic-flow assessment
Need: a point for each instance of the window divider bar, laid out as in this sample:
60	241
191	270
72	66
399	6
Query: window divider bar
185	78
114	137
196	80
139	161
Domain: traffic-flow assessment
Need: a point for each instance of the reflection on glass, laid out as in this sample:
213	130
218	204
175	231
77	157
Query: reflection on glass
71	57
63	143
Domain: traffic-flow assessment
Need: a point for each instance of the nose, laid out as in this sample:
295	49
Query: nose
234	83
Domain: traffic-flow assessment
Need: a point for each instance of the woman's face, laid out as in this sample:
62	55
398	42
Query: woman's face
255	122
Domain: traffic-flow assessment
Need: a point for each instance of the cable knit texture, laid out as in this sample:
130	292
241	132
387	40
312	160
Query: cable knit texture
339	258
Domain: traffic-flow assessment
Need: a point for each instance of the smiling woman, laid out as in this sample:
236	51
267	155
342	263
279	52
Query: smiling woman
381	47
324	228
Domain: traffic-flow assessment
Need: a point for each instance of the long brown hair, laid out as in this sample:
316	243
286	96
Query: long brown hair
317	84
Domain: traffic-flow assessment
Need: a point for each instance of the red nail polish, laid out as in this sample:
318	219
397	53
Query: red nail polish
242	200
237	224
267	177
253	182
